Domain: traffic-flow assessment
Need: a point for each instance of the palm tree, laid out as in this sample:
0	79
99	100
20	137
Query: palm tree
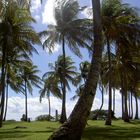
70	74
30	78
116	23
50	86
14	60
73	128
15	33
68	30
84	68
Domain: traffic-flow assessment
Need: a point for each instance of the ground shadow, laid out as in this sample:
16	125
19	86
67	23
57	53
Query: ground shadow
111	133
20	133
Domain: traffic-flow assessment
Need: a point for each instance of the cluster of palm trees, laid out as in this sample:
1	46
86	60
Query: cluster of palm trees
114	64
112	37
17	39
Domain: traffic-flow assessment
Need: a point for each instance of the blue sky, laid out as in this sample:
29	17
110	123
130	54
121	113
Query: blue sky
44	15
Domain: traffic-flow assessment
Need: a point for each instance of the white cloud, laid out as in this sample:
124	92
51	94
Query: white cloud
48	13
35	5
36	9
37	17
16	106
87	13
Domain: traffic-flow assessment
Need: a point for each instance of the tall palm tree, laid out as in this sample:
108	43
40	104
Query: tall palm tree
15	60
50	86
73	128
68	30
70	74
15	33
116	23
30	78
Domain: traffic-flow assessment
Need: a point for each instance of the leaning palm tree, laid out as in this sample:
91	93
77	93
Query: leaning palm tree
50	86
73	128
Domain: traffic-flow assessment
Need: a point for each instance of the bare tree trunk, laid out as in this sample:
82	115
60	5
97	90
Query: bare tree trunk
73	128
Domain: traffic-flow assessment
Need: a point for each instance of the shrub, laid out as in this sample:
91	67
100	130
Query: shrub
44	118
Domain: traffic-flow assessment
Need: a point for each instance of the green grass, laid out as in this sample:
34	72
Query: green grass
96	130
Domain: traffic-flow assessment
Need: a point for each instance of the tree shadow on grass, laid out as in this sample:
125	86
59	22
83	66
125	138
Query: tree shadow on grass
135	122
111	133
20	133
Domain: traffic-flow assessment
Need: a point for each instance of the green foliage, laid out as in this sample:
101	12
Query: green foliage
102	114
44	118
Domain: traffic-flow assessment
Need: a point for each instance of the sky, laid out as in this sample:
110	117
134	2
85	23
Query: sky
43	13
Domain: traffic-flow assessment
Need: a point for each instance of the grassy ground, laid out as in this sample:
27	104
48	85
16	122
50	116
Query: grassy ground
96	130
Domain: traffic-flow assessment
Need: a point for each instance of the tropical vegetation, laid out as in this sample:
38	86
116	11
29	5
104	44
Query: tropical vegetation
111	39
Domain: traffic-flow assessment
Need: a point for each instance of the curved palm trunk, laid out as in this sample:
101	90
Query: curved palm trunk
2	92
136	100
131	105
108	120
73	128
6	102
26	104
63	117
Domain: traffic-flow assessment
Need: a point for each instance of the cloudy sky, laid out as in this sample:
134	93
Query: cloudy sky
43	13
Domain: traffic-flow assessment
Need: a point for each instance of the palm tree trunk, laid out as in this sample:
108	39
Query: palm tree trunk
129	101
114	100
102	92
6	102
122	106
63	117
3	74
49	107
131	105
136	100
73	128
26	104
108	120
126	117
